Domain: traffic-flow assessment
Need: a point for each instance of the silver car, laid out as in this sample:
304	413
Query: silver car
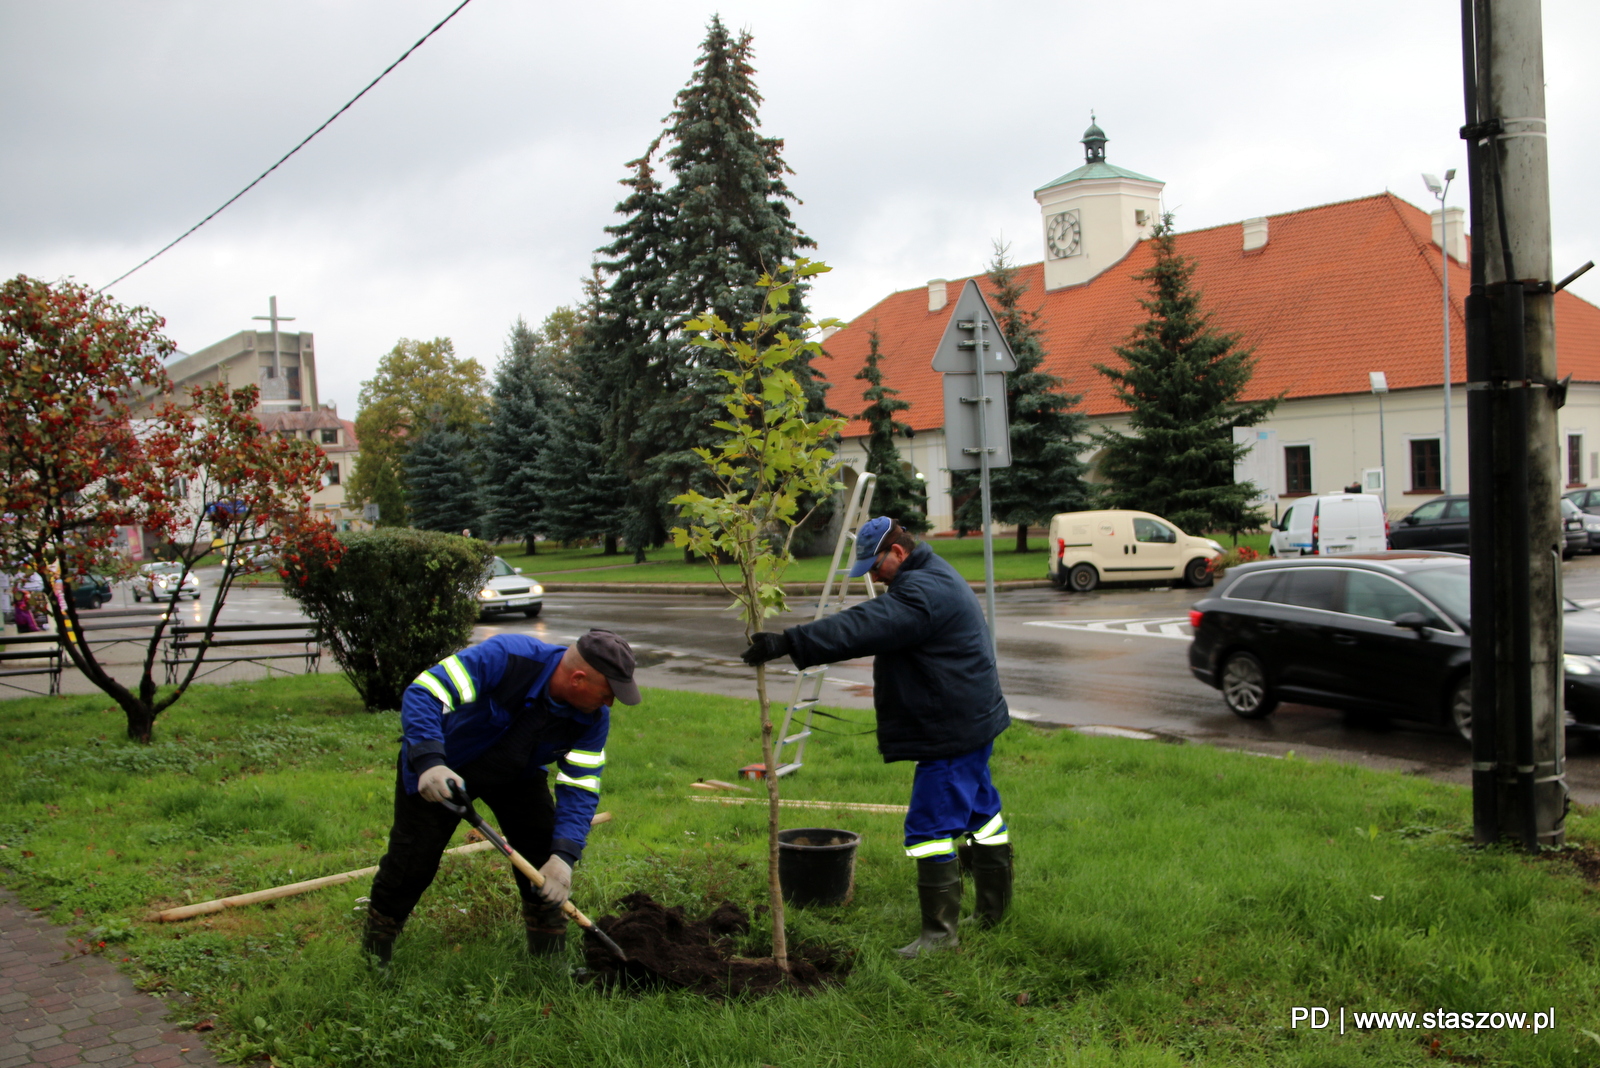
505	590
157	581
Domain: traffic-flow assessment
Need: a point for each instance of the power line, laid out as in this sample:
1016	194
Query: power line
293	150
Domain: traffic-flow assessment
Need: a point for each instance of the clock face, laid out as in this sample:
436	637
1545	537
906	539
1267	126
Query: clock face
1062	235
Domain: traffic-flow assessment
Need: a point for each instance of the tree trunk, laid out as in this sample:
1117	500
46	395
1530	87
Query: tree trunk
611	545
780	939
1022	537
531	545
141	722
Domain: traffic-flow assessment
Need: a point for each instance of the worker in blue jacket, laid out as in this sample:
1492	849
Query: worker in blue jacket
937	695
493	718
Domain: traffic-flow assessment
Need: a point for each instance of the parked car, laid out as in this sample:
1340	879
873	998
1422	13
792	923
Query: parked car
1383	633
157	581
1588	503
1331	523
504	590
91	591
1575	524
1094	547
1440	525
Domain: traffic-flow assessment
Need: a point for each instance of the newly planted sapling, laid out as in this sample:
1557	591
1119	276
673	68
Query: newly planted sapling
773	460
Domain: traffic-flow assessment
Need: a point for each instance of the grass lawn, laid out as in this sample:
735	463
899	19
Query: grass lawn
667	564
1173	903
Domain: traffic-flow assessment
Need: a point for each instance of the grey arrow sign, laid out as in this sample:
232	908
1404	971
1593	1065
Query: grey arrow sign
954	354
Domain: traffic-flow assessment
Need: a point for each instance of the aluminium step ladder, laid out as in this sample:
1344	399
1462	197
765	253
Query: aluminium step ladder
835	588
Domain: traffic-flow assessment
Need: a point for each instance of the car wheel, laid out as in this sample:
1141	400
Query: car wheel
1196	575
1083	578
1459	708
534	611
1568	554
136	596
1244	687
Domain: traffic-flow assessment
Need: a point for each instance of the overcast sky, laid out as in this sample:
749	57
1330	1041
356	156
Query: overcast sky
473	185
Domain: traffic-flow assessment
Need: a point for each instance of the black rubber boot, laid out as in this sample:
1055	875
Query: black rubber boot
939	894
377	938
991	881
547	929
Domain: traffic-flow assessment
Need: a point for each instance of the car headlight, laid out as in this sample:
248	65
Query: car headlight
1591	522
1573	664
538	590
487	594
1217	545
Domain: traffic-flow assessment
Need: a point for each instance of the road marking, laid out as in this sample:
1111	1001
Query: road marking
1176	627
1590	603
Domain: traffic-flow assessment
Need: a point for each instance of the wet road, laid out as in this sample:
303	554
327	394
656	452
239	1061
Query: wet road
1115	659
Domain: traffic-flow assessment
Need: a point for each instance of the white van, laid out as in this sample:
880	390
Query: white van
1088	548
1333	523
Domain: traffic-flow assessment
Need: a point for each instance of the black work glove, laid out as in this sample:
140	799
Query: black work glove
766	645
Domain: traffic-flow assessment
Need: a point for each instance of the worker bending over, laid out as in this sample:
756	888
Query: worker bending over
493	718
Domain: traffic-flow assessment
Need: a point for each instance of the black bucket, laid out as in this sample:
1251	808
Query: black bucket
817	865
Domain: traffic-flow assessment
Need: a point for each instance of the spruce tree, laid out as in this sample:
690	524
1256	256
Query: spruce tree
441	483
513	440
897	494
693	249
1182	382
580	491
1047	433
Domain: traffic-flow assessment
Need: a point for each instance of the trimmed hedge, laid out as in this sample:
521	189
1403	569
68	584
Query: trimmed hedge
396	603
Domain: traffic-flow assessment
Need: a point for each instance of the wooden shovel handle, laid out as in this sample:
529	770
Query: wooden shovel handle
520	862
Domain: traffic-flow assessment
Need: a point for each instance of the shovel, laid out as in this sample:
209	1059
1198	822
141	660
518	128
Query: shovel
461	805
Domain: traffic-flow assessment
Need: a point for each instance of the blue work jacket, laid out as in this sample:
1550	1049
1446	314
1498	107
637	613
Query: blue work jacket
934	682
457	710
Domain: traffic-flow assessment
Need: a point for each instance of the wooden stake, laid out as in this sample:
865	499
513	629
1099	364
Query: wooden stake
204	908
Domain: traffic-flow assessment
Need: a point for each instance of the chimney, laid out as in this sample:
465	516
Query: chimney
1255	233
936	295
1455	232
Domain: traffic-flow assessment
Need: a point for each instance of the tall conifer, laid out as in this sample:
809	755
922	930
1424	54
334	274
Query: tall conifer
515	437
1182	382
693	249
441	483
897	494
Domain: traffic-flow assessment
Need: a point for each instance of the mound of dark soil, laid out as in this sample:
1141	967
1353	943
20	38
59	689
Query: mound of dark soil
664	946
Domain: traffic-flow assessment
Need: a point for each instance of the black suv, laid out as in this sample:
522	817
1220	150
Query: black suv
1385	633
1440	525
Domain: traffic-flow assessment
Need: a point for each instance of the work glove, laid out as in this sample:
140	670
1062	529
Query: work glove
766	645
434	784
557	880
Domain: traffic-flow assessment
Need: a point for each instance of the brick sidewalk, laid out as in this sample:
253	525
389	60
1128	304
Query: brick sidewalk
59	1007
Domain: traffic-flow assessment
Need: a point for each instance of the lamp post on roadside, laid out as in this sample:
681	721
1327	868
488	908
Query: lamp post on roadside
1380	386
1440	190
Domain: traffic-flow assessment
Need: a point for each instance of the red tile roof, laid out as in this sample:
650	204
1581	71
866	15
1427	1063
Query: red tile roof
1338	291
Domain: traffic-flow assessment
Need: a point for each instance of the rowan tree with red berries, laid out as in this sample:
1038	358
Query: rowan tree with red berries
77	462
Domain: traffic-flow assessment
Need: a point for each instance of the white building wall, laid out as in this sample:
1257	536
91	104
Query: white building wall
1342	433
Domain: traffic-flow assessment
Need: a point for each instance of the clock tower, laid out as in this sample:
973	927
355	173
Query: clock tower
1094	215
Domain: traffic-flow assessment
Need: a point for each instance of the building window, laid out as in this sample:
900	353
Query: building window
1297	468
1575	459
333	474
330	437
1425	466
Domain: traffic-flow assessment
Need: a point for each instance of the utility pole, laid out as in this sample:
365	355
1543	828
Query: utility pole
1519	786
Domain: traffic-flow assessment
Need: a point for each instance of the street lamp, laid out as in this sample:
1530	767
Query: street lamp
1380	386
1440	190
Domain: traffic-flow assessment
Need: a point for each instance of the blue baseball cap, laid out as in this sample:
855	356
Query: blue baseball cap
869	543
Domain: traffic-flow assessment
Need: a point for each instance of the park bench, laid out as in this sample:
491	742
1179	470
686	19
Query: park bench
241	639
43	653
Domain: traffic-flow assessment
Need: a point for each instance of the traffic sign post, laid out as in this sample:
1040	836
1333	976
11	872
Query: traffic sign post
974	356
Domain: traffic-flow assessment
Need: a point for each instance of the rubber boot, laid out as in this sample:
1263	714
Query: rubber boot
991	882
547	929
939	894
377	938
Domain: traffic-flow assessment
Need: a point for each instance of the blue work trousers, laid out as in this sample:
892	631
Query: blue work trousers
953	799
